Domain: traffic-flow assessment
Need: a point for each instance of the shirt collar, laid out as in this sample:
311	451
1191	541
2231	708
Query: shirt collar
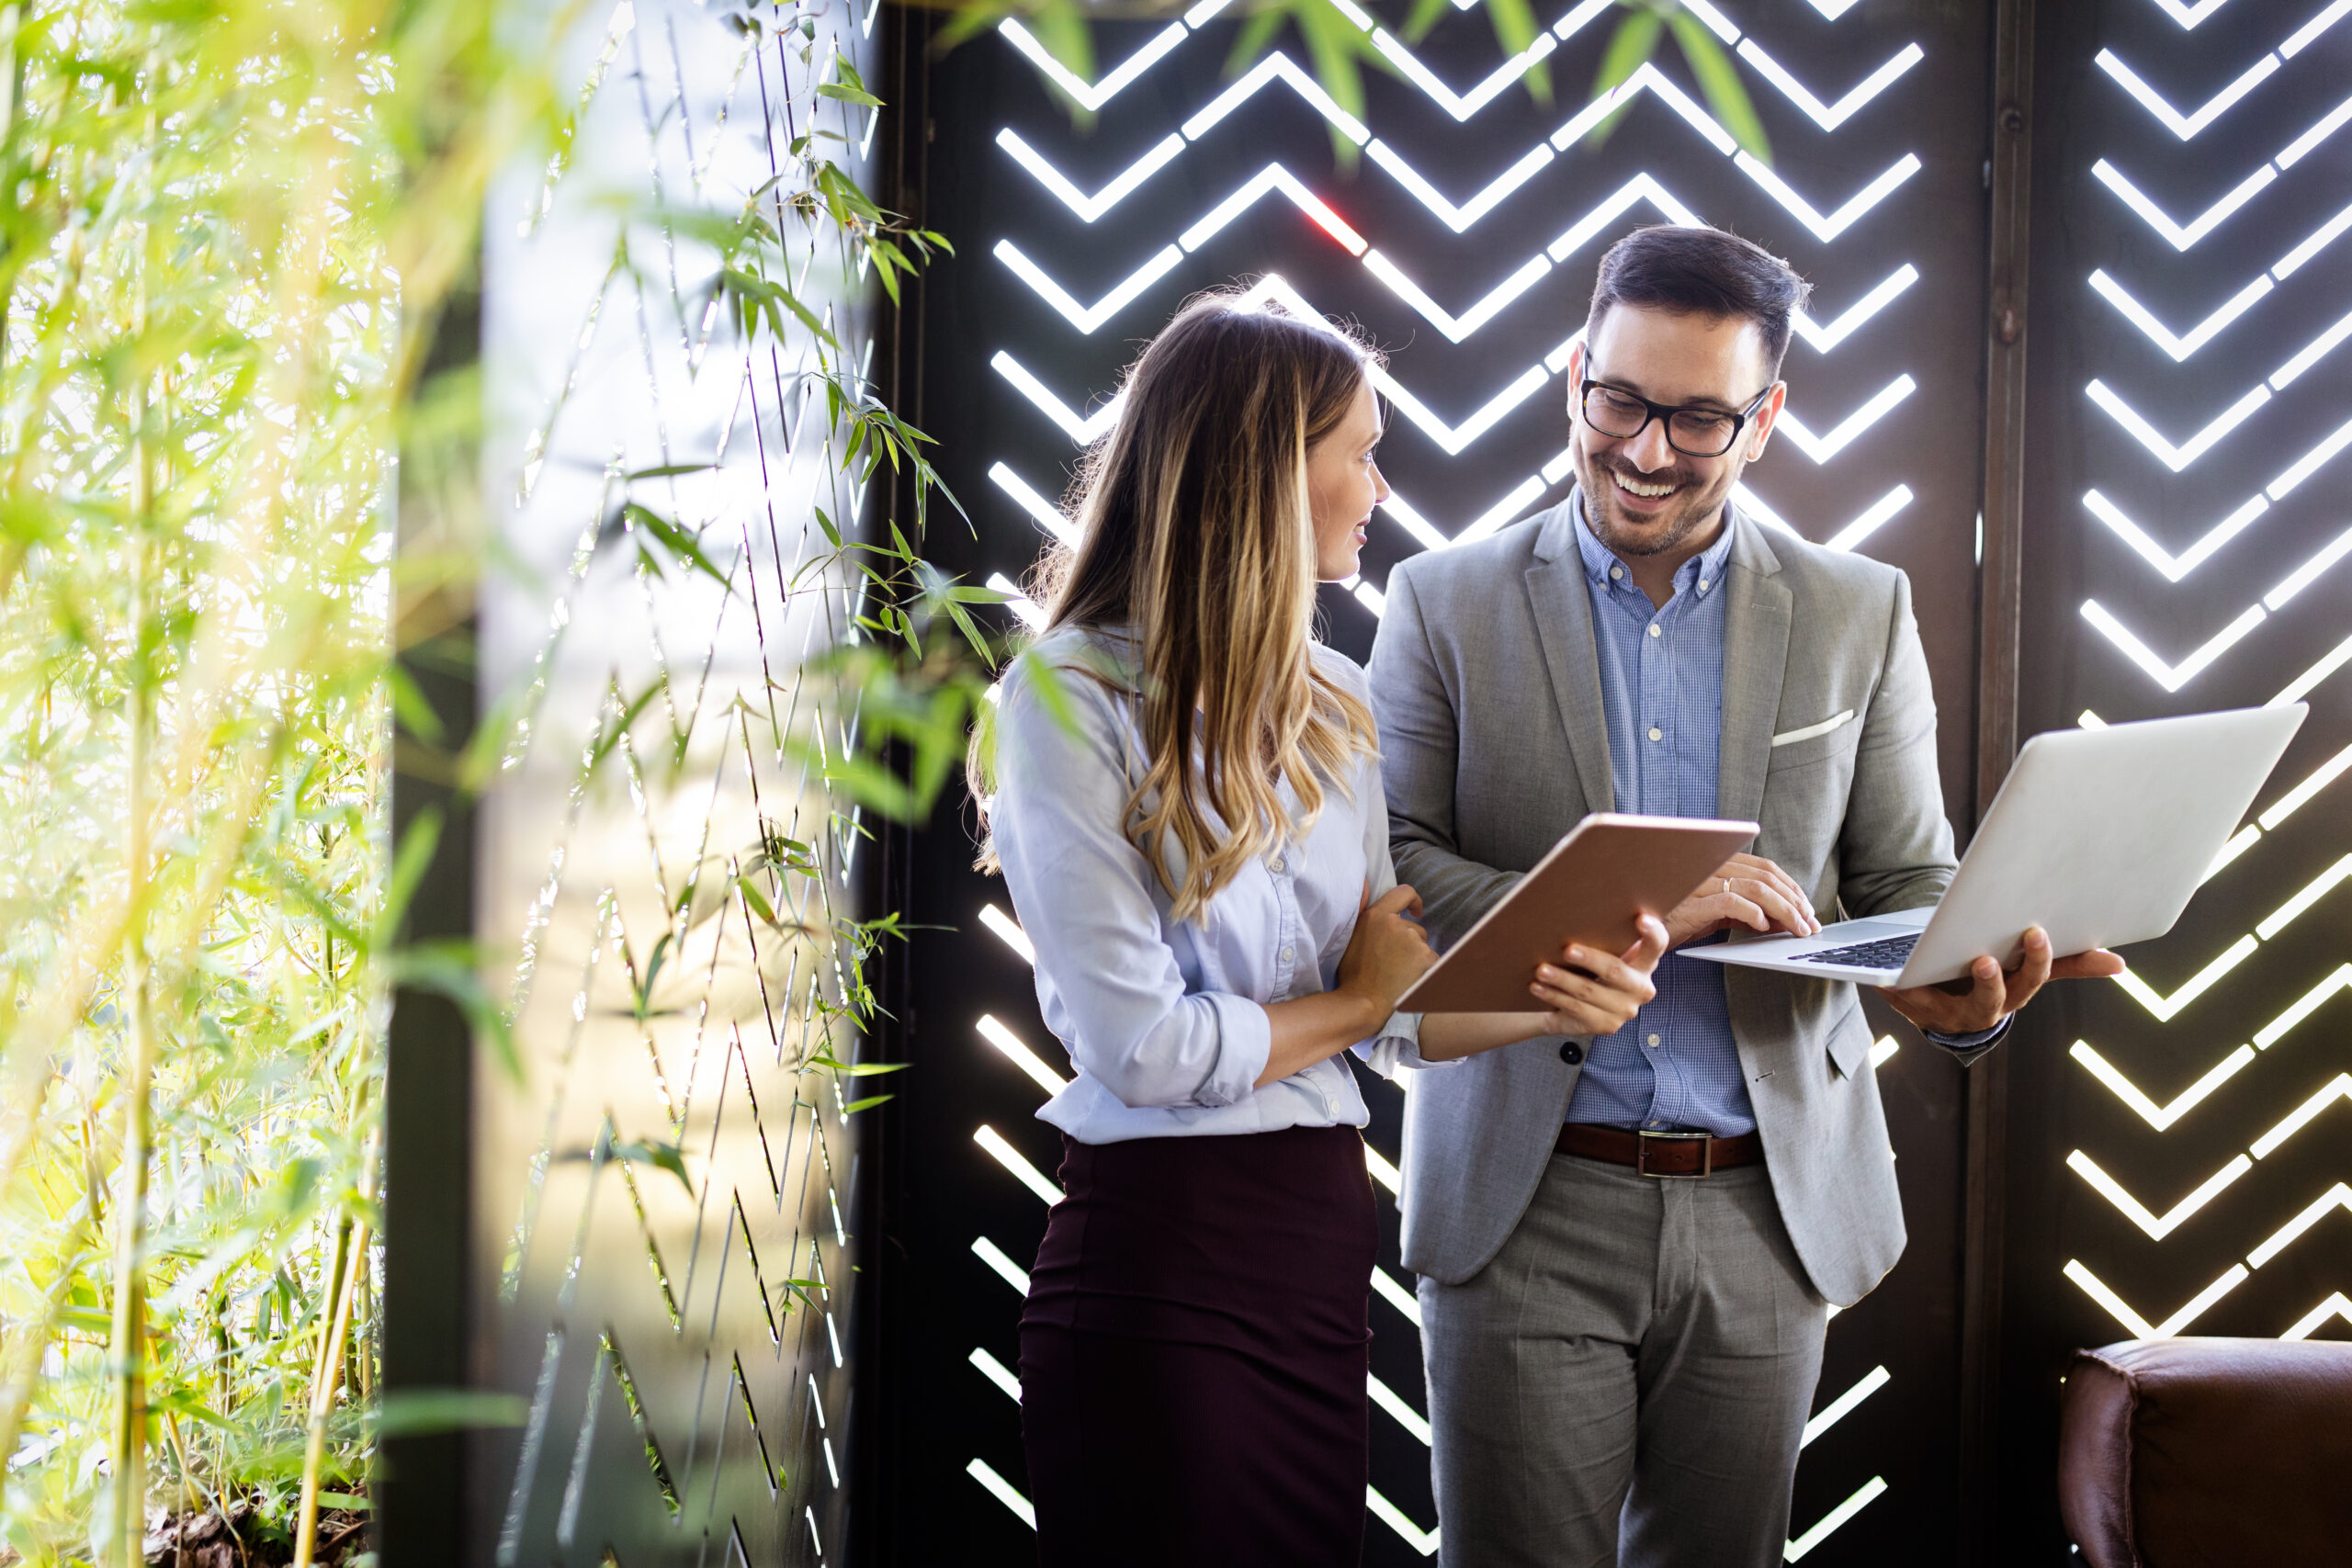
1706	567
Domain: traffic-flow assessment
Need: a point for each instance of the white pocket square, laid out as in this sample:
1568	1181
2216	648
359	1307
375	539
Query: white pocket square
1791	736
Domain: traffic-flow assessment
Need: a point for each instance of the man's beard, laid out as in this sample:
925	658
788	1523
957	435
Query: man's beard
1654	537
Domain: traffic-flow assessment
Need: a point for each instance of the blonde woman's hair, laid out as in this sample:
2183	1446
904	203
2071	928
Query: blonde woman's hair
1196	536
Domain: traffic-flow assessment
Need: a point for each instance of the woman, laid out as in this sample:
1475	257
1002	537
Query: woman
1188	815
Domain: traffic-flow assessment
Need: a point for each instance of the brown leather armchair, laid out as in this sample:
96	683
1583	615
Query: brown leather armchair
2208	1451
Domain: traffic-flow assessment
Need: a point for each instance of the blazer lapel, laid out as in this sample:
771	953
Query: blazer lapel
1563	606
1756	653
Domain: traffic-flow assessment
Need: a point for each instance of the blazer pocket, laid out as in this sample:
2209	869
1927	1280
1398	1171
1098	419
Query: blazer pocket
1850	1041
1790	737
1802	747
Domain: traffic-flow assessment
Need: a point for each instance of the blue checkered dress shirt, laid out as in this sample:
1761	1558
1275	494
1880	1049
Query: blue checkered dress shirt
1662	690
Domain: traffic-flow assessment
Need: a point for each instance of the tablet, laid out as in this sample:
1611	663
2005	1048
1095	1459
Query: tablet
1595	883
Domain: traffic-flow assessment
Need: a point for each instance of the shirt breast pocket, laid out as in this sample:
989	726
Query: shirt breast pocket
1804	745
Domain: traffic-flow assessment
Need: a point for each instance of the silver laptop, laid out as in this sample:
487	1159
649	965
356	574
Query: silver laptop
2098	836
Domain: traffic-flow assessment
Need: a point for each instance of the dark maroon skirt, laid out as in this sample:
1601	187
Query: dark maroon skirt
1194	1350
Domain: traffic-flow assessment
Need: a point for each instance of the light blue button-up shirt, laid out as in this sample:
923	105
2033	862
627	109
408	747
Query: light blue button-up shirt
1165	1020
1662	692
1677	1064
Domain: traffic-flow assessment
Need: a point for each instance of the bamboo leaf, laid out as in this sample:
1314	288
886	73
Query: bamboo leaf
671	1157
674	540
1719	79
1516	29
1630	47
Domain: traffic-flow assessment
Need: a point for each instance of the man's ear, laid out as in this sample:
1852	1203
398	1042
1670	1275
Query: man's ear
1760	431
1575	371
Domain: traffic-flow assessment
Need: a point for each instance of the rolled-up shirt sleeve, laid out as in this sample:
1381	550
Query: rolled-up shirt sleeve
1106	975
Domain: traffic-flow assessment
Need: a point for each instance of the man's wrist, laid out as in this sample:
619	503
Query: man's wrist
1968	1042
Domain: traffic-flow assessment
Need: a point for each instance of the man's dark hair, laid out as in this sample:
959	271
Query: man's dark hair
1701	272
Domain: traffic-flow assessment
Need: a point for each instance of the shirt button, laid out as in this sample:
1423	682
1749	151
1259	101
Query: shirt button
1655	733
1277	862
1571	1053
1616	571
1652	1042
1703	585
1654	631
1286	953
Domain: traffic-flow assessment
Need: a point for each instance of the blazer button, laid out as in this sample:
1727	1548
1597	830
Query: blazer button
1571	1053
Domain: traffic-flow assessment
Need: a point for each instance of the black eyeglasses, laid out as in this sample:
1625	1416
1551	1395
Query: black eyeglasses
1692	430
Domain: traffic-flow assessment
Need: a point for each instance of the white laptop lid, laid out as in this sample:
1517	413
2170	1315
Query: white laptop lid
2102	836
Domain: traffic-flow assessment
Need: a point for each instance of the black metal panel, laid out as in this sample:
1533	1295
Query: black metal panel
2157	1173
1878	1482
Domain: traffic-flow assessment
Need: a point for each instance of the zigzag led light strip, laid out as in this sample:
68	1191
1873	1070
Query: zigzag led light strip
1279	67
2339	1196
1092	95
1276	179
2173	677
2181	346
1048	516
1085	429
1453	439
2165	1008
2162	1117
2187	126
2178	458
2182	236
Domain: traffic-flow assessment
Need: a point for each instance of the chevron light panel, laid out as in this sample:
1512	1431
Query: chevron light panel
2227	1170
1452	241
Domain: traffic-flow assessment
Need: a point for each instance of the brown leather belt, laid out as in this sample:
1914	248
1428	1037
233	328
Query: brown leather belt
1660	1153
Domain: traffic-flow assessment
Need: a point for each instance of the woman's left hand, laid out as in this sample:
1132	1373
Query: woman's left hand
1595	993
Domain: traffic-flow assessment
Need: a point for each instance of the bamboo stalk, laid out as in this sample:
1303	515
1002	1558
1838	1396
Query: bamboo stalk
327	1377
127	1342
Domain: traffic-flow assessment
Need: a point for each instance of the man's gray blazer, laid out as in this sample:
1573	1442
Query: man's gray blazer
1493	744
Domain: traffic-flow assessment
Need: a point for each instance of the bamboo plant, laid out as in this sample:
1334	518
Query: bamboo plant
234	226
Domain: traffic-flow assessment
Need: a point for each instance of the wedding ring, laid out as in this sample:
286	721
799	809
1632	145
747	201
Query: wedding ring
1727	887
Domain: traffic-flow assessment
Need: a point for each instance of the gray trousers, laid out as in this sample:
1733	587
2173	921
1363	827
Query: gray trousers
1625	1383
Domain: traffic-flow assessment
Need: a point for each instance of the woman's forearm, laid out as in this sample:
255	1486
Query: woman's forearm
1447	1035
1312	1028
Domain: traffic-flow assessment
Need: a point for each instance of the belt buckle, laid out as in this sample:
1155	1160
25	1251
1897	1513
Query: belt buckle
1645	1140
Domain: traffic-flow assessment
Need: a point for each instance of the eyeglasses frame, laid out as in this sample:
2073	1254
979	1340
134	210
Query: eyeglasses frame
1663	414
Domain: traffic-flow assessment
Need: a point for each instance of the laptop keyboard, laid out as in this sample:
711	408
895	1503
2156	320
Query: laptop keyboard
1887	953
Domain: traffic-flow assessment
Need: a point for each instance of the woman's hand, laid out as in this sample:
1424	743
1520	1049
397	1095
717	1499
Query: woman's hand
1593	993
1387	953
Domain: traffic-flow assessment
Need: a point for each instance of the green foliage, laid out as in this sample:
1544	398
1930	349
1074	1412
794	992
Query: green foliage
1638	39
230	230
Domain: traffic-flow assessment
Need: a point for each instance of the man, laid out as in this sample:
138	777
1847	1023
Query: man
1621	1363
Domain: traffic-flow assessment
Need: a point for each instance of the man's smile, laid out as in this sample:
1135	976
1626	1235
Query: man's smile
1647	491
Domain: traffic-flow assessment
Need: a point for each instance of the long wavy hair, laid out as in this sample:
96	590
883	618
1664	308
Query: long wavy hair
1196	540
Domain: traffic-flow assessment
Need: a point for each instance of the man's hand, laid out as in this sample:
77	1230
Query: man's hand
1988	995
1747	891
